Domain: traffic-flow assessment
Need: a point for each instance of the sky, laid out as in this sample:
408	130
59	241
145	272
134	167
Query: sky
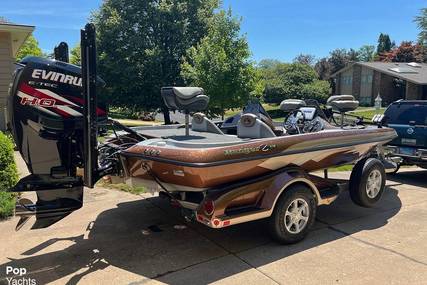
278	29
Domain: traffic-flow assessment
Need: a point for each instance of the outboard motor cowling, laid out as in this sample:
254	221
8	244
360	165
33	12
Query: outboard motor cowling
45	116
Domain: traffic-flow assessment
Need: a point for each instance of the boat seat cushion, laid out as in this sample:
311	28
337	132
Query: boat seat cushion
200	123
250	126
291	104
343	103
340	98
186	93
189	99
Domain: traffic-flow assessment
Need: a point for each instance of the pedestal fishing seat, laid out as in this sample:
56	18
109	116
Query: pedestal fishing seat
343	104
289	105
186	99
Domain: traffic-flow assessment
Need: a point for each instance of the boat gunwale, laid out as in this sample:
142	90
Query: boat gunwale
386	137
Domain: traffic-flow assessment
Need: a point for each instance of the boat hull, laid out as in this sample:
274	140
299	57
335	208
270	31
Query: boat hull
199	169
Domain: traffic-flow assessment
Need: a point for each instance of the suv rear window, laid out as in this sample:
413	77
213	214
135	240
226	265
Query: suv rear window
403	113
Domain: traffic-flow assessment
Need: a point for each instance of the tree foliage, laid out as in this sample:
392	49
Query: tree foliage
295	80
268	63
307	59
30	47
338	59
323	68
220	64
421	21
384	44
141	45
406	52
8	176
366	53
75	55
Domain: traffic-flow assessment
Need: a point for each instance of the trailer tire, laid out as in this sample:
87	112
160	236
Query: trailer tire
367	182
293	215
394	172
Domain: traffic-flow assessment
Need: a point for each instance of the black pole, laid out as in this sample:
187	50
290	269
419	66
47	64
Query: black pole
88	56
61	52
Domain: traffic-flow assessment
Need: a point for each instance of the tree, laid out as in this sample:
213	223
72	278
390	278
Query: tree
406	52
338	59
29	48
366	53
141	45
268	63
421	21
75	53
323	68
352	55
220	64
307	59
384	43
296	80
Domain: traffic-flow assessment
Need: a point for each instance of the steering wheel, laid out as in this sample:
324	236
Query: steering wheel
313	126
293	120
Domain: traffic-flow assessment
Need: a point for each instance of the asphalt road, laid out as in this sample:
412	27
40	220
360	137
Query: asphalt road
119	238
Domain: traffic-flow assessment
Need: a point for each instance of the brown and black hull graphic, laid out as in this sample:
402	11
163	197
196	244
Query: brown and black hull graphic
196	169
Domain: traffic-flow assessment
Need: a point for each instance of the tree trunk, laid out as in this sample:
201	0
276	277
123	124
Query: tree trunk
166	115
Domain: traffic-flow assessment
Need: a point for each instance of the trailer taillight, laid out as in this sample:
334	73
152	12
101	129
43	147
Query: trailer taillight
208	207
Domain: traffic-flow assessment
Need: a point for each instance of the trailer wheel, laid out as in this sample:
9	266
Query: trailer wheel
293	215
367	182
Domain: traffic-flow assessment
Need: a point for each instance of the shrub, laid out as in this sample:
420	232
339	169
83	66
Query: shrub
293	81
318	90
8	176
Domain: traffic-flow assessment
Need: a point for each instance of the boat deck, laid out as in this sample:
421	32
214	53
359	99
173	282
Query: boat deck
176	137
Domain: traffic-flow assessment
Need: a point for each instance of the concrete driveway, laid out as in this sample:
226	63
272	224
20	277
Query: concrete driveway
119	238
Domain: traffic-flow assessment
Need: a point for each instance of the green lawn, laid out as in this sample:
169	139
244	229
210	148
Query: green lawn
122	187
136	123
367	113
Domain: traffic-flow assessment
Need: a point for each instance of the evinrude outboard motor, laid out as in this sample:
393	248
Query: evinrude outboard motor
46	117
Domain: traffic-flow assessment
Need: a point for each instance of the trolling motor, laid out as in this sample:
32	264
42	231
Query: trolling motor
53	117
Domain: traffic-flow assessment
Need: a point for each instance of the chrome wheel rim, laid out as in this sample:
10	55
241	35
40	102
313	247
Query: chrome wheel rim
296	216
373	185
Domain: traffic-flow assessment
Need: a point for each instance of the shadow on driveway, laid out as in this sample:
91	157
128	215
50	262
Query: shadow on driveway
141	237
413	177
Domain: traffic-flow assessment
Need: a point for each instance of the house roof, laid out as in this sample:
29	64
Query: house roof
412	72
19	34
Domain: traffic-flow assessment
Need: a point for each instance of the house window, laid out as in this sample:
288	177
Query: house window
366	79
347	80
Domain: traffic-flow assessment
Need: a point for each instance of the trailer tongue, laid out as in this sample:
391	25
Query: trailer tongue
53	117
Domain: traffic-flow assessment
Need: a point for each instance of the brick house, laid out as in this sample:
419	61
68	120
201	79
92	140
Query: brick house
11	38
393	81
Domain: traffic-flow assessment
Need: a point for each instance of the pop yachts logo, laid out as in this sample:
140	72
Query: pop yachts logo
56	76
16	276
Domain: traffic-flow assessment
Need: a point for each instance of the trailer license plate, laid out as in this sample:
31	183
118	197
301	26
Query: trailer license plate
407	150
409	141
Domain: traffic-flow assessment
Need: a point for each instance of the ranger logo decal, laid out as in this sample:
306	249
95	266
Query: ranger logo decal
249	150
